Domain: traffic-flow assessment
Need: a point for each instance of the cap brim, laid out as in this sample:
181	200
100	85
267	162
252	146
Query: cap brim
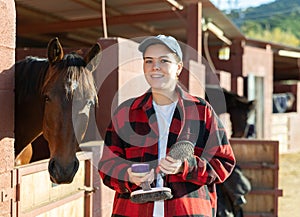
149	41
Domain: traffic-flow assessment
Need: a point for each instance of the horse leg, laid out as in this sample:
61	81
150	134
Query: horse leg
40	149
35	151
24	156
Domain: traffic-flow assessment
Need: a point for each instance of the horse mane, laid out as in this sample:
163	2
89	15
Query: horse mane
29	76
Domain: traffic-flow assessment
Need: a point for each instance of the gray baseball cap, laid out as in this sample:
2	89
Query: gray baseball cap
169	41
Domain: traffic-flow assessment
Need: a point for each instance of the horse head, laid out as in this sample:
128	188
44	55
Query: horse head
239	109
68	93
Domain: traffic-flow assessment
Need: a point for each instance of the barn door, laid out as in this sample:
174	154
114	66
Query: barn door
37	196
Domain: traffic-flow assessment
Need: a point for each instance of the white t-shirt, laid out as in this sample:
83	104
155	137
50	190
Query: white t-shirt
164	114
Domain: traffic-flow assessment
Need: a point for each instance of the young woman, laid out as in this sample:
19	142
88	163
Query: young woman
145	128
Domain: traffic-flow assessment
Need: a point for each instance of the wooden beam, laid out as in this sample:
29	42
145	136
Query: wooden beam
93	5
194	29
66	26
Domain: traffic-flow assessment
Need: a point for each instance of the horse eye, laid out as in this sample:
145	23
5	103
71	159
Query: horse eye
46	98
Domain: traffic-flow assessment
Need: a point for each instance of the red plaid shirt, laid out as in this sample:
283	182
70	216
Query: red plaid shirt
133	136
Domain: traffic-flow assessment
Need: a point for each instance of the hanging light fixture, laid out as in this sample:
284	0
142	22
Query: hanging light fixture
175	4
287	53
215	30
218	32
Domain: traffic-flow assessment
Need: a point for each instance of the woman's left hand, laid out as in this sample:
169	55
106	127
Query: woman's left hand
170	165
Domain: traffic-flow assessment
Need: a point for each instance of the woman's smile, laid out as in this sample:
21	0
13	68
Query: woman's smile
156	75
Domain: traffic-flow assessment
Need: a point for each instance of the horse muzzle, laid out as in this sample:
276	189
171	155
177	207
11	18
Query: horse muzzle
60	174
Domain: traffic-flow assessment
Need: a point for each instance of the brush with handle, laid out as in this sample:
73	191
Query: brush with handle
147	194
181	150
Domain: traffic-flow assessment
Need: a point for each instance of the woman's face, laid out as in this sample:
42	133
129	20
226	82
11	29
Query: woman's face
161	68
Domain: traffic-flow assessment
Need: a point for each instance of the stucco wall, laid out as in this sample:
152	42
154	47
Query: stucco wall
7	55
259	63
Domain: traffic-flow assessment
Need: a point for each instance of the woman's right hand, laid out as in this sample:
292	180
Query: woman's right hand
138	180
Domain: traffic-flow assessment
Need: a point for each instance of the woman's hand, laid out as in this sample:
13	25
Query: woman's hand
138	180
170	165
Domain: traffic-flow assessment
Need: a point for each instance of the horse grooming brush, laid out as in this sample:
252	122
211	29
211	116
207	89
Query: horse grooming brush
148	194
154	194
182	150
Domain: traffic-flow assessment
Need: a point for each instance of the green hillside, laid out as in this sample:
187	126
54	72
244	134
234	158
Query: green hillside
278	22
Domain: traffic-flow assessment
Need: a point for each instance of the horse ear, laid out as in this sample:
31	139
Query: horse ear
251	105
93	57
55	51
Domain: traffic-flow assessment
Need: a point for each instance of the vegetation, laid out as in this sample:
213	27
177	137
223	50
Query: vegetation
278	21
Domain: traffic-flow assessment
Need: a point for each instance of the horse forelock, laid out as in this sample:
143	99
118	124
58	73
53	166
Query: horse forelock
79	79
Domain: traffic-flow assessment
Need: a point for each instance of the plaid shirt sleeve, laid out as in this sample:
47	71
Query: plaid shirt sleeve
213	159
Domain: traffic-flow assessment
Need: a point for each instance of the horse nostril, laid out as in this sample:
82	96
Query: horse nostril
52	170
51	165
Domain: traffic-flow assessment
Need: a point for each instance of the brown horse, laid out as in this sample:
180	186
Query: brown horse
238	107
53	97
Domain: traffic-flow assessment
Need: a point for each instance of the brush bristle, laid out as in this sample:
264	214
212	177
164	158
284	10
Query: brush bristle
182	150
150	196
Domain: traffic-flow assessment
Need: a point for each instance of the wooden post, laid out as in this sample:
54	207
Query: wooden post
194	28
193	74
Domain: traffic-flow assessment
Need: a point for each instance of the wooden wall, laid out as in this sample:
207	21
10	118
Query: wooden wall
37	196
259	161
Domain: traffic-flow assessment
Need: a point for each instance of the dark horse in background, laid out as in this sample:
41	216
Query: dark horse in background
53	97
231	192
238	107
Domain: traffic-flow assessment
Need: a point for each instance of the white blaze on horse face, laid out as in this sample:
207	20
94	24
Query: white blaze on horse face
81	106
80	119
72	87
